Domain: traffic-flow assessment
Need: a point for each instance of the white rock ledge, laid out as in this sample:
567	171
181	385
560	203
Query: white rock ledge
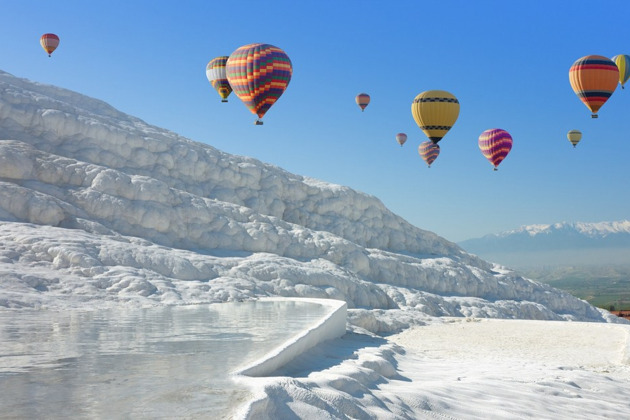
333	325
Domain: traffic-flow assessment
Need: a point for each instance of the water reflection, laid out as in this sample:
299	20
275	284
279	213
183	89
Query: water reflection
145	363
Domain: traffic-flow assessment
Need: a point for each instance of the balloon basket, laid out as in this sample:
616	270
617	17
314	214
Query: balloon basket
258	122
594	116
223	100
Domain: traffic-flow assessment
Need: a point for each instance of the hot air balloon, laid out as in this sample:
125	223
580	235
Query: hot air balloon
401	138
435	112
362	99
623	64
49	42
495	144
259	75
215	72
428	151
593	79
574	137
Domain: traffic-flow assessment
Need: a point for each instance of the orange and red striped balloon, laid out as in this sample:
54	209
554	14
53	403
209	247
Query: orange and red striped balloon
593	79
495	144
362	99
49	43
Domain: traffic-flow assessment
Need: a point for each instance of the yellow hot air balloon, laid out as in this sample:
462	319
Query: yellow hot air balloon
574	137
623	64
593	79
435	112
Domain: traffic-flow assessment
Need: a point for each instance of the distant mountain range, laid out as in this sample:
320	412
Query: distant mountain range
556	244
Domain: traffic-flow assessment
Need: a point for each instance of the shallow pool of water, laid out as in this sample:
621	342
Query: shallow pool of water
162	362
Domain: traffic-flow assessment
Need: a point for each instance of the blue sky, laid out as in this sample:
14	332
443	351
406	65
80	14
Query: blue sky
506	61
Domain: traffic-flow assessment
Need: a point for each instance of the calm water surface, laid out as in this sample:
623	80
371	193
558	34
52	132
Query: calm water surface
148	363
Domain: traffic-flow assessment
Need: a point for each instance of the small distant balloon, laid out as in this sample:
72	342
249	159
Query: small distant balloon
574	137
495	144
435	112
49	43
362	99
623	64
401	138
215	72
429	151
594	79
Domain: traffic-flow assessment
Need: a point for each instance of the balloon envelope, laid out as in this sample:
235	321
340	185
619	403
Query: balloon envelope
428	151
362	99
401	138
435	112
49	43
593	79
495	144
215	72
574	137
623	64
259	74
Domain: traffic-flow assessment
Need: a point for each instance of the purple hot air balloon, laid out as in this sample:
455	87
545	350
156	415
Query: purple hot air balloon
428	151
495	144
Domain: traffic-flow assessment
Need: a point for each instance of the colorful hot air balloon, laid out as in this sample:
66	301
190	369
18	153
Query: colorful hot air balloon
428	151
215	72
495	144
574	137
623	64
401	138
593	79
259	75
435	112
49	43
362	99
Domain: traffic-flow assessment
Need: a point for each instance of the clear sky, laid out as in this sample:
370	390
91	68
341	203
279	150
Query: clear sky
506	61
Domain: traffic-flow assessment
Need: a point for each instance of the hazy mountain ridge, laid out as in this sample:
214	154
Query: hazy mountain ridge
97	207
556	245
593	230
558	236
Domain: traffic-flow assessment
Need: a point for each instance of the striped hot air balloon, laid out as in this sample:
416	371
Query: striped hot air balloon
435	112
401	138
362	99
428	151
49	43
623	64
574	137
593	79
495	144
215	72
259	75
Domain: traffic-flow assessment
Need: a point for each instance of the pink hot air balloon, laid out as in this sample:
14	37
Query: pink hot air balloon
428	151
495	144
401	138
